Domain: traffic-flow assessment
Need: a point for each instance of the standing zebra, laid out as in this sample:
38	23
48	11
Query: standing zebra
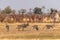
48	26
22	26
35	27
7	27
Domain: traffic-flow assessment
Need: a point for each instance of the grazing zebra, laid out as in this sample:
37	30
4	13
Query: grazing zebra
7	27
22	26
36	27
49	26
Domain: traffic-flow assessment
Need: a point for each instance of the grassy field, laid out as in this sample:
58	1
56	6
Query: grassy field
29	32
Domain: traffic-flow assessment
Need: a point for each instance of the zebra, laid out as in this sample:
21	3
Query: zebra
35	27
7	27
22	26
49	26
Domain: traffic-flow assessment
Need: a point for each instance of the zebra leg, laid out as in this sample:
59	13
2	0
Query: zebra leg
37	29
7	29
18	28
22	29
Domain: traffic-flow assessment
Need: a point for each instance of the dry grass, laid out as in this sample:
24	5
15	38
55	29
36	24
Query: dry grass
29	32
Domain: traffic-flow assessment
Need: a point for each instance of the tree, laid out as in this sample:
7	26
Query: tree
30	11
13	11
53	10
23	11
37	10
19	11
3	12
0	10
7	10
43	9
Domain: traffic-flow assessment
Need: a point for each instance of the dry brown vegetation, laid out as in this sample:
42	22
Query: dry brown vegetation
33	18
29	32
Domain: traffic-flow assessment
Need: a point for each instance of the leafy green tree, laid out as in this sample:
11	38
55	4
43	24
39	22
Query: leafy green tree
13	11
23	11
37	10
7	10
53	10
3	12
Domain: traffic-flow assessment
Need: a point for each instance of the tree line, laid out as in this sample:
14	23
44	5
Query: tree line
37	15
36	10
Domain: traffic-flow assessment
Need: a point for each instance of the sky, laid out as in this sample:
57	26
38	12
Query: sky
26	4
